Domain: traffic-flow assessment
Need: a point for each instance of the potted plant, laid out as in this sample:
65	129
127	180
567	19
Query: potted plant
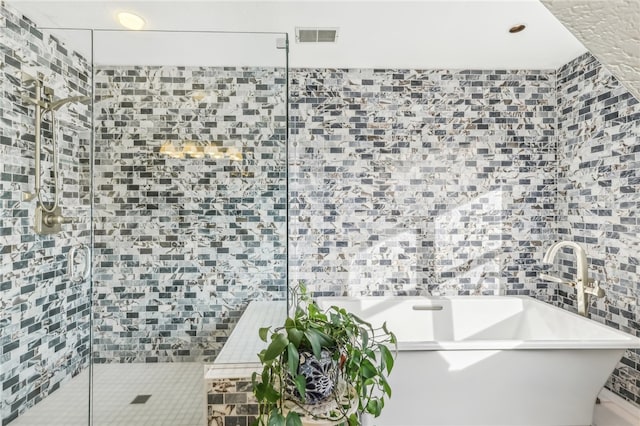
322	366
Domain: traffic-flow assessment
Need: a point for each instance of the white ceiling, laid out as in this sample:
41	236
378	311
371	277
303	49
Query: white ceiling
450	34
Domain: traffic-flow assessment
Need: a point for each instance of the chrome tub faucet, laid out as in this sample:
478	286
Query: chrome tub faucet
584	285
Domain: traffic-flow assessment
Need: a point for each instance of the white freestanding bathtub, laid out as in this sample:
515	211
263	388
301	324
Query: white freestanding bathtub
490	360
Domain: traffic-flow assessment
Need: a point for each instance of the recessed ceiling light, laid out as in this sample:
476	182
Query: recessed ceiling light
517	28
130	20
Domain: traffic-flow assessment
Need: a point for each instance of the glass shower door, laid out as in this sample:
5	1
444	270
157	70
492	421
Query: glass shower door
190	211
45	222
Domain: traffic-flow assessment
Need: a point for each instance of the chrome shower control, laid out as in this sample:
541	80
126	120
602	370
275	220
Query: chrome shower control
55	219
47	223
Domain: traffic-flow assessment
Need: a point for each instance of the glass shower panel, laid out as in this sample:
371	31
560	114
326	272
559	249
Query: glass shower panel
45	222
190	210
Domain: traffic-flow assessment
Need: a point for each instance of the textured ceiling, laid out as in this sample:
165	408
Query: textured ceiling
610	29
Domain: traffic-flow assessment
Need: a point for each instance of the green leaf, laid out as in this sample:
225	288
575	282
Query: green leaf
365	337
262	332
293	419
374	407
318	340
302	287
293	359
276	347
386	387
314	340
353	420
271	394
295	335
387	357
370	354
356	357
301	385
258	390
313	309
367	369
276	419
392	337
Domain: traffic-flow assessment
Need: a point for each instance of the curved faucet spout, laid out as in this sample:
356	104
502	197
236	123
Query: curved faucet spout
578	250
582	281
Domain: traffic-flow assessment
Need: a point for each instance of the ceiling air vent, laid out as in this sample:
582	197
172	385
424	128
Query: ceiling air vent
316	35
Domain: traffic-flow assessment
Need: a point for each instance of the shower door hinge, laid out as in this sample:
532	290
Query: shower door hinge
281	43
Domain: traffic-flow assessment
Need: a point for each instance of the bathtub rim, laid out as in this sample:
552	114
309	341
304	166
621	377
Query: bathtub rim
622	339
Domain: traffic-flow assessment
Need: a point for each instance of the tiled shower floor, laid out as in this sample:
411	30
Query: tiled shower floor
176	389
177	399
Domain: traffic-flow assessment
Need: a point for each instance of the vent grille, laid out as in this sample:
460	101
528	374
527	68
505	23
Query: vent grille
316	35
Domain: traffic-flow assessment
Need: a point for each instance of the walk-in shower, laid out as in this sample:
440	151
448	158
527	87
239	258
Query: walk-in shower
160	212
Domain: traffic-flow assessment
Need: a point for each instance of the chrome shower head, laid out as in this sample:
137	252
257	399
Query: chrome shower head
56	105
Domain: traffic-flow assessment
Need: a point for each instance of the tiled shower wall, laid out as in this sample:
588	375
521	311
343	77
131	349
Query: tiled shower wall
44	318
400	181
408	181
598	198
183	244
404	182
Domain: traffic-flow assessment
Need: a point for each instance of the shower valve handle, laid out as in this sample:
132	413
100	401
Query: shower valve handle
54	219
49	221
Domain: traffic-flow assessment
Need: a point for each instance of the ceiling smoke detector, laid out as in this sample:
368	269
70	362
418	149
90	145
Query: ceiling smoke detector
316	35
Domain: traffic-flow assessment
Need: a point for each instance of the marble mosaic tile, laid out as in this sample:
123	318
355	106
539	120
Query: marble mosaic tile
421	181
597	204
230	402
44	317
183	244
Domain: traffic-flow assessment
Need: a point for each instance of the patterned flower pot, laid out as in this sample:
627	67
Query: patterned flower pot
321	376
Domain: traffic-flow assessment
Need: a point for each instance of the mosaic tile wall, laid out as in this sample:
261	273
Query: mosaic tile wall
598	201
183	244
406	181
230	402
44	318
